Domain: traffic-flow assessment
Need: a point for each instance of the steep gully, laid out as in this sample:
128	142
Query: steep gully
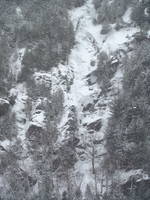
82	62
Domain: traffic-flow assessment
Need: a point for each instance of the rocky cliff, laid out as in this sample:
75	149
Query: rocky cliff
62	70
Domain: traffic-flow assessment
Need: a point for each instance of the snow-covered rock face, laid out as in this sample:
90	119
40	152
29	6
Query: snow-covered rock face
19	109
92	108
38	117
79	144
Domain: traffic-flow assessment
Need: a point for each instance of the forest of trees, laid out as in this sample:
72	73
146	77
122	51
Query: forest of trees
127	135
45	30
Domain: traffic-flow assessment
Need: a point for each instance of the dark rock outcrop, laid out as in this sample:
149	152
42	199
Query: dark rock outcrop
36	135
74	141
92	79
96	125
98	141
89	107
105	29
56	163
4	106
140	36
67	156
12	97
93	63
32	181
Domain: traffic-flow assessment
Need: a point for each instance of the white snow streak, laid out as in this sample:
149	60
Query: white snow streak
16	62
19	110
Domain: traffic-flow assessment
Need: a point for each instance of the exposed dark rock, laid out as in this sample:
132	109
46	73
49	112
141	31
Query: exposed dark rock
98	141
140	36
12	98
91	79
91	132
23	121
73	109
4	106
67	156
89	107
105	29
34	130
81	146
56	163
93	63
85	124
42	107
36	135
32	181
95	100
65	196
119	26
73	142
80	153
96	125
2	149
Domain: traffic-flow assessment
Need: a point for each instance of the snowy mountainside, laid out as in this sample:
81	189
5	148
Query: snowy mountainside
61	129
92	109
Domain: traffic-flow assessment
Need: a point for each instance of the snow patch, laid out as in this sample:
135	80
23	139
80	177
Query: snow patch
38	118
19	110
5	144
3	101
19	12
118	39
127	16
